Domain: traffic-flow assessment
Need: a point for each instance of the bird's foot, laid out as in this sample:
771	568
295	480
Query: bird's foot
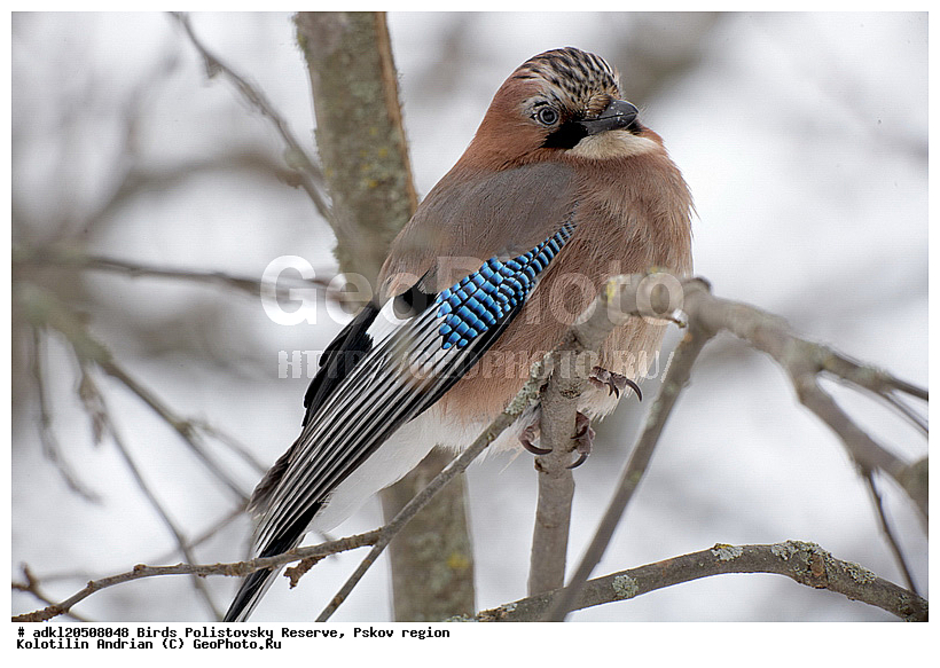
614	382
583	438
528	437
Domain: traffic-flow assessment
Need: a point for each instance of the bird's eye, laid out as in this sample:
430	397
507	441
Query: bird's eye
547	116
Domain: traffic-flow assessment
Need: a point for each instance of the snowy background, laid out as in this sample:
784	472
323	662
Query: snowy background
802	136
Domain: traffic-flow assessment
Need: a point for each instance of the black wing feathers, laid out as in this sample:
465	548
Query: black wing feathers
339	358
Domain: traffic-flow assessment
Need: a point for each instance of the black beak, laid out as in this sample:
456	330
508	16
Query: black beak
619	115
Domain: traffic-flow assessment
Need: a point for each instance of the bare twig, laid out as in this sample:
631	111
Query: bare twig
31	585
104	417
231	442
181	425
237	569
805	563
208	533
49	256
50	444
194	542
43	308
804	361
893	543
308	173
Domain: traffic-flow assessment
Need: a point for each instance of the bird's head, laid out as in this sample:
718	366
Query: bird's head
563	104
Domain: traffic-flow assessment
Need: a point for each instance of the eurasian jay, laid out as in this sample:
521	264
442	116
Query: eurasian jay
561	188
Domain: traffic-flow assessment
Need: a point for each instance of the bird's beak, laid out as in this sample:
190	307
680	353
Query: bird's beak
619	115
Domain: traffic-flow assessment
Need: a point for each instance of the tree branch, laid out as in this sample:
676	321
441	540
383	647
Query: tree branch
308	173
805	362
46	256
237	569
101	416
43	309
805	563
707	315
676	378
621	298
559	406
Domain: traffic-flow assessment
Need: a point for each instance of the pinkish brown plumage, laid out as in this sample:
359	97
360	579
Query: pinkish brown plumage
633	214
561	188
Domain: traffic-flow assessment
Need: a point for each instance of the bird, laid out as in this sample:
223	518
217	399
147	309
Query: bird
561	187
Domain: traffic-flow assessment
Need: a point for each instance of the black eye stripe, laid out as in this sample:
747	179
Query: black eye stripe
566	136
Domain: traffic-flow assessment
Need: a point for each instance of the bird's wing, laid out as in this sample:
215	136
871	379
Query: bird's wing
472	215
385	368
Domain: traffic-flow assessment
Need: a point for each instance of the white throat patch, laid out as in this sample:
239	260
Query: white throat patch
612	144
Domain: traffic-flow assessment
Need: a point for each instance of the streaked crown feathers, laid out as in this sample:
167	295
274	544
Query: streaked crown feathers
581	81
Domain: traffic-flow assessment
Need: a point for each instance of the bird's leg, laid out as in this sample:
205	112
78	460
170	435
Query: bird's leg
531	434
614	382
583	438
584	435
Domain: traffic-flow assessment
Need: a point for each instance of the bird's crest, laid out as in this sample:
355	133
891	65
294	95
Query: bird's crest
580	79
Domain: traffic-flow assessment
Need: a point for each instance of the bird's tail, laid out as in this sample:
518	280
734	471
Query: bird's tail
256	585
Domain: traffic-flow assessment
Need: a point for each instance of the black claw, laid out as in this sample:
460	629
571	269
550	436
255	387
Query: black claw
526	439
614	382
534	449
635	388
584	437
580	460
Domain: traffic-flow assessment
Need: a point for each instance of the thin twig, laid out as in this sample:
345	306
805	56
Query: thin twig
893	543
42	308
55	256
182	543
309	175
236	569
50	444
182	426
232	443
805	362
919	421
31	585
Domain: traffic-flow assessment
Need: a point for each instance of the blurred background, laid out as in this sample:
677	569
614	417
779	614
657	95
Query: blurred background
802	136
